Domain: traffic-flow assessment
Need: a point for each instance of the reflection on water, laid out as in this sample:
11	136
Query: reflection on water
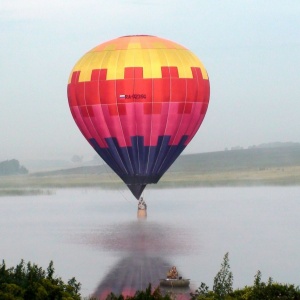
134	273
143	246
94	235
141	237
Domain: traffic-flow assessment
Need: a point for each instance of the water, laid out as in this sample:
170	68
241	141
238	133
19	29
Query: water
90	232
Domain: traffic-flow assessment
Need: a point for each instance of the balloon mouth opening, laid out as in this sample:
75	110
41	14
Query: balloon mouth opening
136	189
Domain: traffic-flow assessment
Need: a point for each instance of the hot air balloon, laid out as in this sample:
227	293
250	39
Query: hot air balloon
139	100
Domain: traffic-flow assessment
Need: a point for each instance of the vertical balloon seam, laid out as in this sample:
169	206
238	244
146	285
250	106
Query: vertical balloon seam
146	159
136	125
128	147
88	114
86	105
179	124
169	119
166	124
196	127
77	101
72	110
118	115
206	90
111	136
149	166
194	111
152	106
135	108
75	117
195	107
152	149
165	136
134	139
107	149
105	123
87	111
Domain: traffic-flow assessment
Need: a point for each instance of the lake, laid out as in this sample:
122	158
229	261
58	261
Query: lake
95	235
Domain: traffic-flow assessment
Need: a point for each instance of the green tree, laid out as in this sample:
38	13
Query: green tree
50	270
223	281
202	292
31	282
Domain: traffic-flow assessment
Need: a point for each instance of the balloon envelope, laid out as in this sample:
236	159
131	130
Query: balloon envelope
139	100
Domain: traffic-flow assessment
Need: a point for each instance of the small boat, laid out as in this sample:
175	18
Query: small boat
178	282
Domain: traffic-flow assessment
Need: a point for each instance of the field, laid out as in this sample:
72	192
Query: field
270	166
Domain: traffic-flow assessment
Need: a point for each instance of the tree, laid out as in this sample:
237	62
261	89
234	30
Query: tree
12	167
223	281
31	282
202	292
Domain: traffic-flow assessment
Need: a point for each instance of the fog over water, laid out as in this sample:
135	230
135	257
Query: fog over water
92	234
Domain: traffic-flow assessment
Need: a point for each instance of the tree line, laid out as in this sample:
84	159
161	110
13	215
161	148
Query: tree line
11	167
31	282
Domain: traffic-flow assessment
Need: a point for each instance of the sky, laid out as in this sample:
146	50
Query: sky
251	50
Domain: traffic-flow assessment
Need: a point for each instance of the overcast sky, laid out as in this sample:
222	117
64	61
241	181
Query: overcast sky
251	50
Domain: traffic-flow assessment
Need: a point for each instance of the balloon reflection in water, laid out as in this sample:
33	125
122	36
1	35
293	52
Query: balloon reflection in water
146	248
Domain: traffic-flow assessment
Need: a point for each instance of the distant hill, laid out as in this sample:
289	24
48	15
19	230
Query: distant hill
85	170
275	145
238	160
259	157
47	165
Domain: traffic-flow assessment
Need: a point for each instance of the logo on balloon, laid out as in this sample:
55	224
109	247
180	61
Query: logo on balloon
133	96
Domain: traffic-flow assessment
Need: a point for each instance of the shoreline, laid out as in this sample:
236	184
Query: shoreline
31	184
